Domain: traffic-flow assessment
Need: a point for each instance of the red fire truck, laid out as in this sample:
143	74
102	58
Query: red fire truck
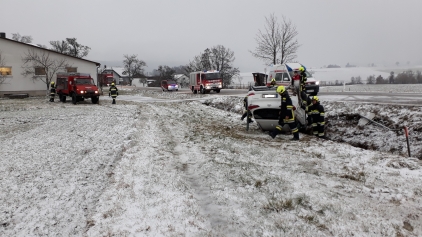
205	81
78	86
106	79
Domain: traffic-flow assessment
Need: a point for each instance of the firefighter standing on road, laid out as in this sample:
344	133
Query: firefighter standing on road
52	91
286	115
303	78
113	92
316	111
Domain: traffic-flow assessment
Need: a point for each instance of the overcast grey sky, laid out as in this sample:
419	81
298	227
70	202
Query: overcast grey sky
172	32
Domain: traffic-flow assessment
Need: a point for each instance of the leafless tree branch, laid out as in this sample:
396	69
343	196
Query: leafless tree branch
277	43
36	58
24	39
217	58
133	66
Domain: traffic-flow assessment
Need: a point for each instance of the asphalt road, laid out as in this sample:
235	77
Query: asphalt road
414	99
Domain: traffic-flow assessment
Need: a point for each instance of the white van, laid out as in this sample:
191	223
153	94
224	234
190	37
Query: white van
283	74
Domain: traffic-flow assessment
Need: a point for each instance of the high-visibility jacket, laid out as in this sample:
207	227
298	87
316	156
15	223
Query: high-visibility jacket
303	79
316	111
113	91
286	109
52	90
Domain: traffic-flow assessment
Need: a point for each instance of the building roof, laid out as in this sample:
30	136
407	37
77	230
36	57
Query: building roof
177	76
36	46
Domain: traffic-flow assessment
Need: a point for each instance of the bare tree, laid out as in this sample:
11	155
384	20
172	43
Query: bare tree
133	66
2	64
70	47
217	58
27	39
240	78
60	46
143	80
277	43
36	60
165	72
370	79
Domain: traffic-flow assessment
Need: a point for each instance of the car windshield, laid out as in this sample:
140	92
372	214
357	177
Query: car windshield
83	81
210	76
308	74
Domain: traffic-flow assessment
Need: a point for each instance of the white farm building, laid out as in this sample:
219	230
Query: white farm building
14	76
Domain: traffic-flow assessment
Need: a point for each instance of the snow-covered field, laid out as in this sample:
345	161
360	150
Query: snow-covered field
387	88
340	74
163	164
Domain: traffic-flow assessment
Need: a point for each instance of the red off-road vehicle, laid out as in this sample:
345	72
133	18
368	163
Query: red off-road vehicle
79	86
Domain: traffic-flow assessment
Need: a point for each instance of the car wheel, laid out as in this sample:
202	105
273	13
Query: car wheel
95	99
218	91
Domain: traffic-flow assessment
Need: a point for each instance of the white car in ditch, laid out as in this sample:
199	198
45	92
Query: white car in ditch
264	104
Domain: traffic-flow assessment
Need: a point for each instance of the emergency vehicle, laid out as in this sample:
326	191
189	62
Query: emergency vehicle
283	74
169	85
205	81
106	79
78	86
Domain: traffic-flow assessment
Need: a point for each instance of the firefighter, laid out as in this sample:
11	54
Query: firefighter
286	115
296	82
52	91
316	111
272	83
113	92
303	78
247	112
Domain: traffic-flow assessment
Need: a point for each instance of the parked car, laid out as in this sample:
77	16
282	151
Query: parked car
264	104
169	85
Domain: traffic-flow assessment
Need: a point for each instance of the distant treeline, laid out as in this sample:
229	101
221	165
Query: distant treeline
406	77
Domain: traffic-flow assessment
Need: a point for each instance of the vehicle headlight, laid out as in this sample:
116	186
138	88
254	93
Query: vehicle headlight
82	92
96	92
317	83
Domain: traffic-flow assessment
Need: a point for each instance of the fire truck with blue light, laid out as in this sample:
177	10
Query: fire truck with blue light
205	81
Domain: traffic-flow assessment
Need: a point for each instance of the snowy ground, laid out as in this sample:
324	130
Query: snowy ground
162	164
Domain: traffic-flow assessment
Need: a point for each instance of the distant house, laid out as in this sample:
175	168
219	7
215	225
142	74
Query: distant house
110	71
12	80
181	79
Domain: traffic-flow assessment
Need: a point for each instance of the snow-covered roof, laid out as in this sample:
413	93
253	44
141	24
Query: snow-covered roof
118	70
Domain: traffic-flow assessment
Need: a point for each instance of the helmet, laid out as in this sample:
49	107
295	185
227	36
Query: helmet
112	83
301	69
273	80
52	83
315	98
281	89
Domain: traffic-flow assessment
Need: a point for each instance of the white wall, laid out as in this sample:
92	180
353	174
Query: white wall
13	52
